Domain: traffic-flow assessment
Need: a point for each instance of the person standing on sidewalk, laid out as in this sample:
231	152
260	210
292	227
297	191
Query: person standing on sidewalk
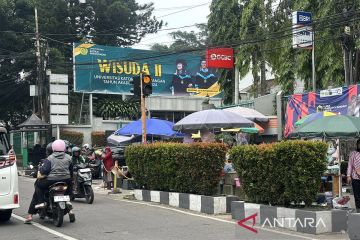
353	174
108	164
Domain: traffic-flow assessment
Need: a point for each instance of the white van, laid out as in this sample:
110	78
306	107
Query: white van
9	187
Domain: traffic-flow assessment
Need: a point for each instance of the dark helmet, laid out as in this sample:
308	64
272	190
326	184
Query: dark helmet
49	149
75	149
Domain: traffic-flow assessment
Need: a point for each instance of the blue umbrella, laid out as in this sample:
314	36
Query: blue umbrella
153	127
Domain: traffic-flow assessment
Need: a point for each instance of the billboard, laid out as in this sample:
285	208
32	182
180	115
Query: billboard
302	30
343	100
109	70
220	58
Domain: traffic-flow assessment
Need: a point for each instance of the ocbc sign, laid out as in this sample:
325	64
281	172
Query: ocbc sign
220	58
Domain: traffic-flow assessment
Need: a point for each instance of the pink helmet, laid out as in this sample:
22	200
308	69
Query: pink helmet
58	146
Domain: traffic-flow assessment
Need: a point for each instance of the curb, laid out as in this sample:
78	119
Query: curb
298	220
197	203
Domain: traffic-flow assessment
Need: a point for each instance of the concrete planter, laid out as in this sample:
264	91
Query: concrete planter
128	184
353	227
198	203
305	221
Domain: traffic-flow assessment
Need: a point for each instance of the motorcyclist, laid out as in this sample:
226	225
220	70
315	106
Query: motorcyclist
77	159
68	147
57	167
76	156
49	150
88	152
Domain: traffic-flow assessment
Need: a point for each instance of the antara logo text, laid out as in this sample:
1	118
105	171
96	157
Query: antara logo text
286	222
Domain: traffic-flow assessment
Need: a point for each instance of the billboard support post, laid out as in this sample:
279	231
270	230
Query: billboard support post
143	111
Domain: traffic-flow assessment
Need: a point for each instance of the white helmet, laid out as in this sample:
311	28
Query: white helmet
86	146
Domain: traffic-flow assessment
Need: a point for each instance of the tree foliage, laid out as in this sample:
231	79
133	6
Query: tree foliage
224	27
184	40
62	22
261	31
110	108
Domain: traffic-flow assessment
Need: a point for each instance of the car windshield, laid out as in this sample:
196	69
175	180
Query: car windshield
4	146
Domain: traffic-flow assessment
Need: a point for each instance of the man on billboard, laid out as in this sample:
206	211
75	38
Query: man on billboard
204	77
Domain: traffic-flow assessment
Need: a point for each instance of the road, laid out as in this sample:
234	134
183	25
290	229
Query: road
115	218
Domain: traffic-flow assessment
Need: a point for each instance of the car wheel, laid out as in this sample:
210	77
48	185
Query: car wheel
5	215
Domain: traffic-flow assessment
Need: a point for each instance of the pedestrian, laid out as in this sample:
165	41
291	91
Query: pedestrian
353	174
108	164
228	166
37	154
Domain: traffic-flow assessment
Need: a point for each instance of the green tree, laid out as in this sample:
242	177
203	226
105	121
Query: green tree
281	55
183	40
252	57
224	27
109	22
16	56
332	46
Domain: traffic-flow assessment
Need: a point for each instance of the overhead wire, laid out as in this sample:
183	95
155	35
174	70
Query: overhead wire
160	56
232	44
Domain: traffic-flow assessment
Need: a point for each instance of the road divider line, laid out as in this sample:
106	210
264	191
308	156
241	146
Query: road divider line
42	227
212	218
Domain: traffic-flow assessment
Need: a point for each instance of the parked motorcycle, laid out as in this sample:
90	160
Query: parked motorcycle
82	184
57	204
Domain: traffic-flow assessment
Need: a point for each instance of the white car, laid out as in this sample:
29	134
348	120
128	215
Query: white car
9	187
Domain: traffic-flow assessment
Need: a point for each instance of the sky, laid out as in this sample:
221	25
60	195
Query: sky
191	13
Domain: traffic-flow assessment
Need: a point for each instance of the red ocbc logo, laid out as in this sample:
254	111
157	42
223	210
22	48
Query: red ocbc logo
220	57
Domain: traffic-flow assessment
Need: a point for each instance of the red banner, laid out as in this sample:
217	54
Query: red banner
220	58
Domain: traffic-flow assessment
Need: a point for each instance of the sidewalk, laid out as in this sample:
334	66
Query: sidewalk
123	194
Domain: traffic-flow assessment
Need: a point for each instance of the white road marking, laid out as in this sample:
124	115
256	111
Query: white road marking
212	218
42	227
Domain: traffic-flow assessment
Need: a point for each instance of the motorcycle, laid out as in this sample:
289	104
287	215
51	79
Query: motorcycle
95	166
82	184
57	204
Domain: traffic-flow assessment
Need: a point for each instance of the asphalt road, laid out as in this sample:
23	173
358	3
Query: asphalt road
114	218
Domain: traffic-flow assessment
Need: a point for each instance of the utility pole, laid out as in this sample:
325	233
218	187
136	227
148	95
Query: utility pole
38	66
143	110
313	61
236	92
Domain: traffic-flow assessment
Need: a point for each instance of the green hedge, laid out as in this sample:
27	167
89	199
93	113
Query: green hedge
186	168
281	173
73	137
98	139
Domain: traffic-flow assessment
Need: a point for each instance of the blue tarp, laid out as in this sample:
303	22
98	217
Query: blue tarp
153	127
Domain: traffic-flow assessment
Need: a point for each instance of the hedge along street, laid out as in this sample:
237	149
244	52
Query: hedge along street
183	168
281	173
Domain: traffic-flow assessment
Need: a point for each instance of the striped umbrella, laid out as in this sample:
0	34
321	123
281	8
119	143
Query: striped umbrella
313	116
